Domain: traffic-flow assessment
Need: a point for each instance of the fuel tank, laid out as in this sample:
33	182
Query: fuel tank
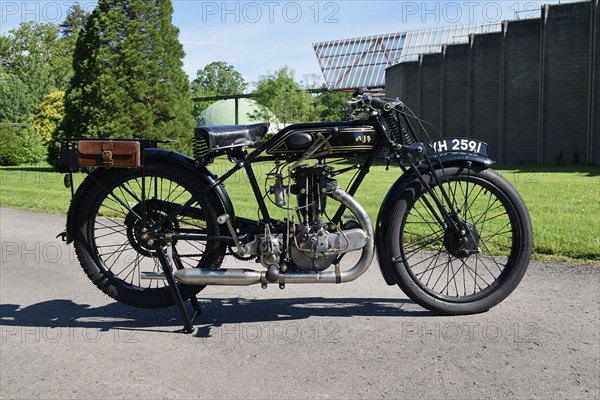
345	139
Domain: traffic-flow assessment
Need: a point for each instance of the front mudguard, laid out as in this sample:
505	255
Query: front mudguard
204	176
386	265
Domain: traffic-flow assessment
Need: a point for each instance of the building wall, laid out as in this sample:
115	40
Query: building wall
430	69
485	89
455	91
566	78
594	146
530	92
521	92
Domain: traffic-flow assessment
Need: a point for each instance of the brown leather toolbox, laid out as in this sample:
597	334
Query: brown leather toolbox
109	153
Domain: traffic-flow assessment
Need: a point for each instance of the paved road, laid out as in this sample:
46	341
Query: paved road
62	338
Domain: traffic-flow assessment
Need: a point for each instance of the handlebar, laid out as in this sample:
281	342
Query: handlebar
376	103
380	104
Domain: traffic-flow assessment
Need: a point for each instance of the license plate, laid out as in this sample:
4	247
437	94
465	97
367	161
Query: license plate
461	146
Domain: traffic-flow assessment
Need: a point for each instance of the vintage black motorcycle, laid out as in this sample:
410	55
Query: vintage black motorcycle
152	227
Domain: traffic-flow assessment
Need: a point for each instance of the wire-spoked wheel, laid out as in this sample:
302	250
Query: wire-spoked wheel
115	231
469	269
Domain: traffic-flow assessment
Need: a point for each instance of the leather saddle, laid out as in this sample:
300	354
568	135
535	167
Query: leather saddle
221	137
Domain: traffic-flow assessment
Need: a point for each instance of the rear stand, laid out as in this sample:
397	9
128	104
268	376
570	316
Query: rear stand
167	267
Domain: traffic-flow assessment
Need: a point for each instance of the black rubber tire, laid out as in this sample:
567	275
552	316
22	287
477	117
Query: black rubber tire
95	264
412	276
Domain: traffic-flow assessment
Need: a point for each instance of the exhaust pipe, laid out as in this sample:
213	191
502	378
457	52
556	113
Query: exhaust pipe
245	277
231	277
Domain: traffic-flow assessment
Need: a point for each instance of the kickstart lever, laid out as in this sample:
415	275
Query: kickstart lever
225	219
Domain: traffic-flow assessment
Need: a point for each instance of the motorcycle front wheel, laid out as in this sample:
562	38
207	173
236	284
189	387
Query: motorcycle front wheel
114	223
449	273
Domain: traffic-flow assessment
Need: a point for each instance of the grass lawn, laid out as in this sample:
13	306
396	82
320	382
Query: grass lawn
564	201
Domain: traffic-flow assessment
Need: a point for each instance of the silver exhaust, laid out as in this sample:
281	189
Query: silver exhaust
231	277
245	277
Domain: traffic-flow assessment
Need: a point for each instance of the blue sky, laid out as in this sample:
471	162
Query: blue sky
261	36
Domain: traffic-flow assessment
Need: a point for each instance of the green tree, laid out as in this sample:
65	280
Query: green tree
332	105
70	29
74	21
280	94
32	148
36	54
10	145
128	80
49	116
34	61
20	145
216	79
16	102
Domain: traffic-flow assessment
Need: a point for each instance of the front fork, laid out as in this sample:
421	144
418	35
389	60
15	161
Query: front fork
443	209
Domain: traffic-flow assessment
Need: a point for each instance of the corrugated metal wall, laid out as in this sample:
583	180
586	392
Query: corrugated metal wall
530	91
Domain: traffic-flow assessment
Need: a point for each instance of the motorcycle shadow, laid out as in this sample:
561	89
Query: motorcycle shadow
215	313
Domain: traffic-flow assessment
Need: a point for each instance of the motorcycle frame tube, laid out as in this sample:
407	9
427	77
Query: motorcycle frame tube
255	156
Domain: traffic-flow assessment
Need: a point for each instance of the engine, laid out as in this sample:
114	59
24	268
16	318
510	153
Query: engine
309	241
317	243
317	251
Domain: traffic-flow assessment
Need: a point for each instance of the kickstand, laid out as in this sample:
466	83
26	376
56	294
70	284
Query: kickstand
166	265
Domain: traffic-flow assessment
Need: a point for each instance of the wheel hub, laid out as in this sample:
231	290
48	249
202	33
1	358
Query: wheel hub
463	243
142	237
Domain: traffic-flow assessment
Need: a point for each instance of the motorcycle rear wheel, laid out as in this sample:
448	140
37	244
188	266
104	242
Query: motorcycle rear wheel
108	231
433	266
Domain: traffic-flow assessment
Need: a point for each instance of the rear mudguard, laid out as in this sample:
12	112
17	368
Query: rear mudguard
387	207
203	175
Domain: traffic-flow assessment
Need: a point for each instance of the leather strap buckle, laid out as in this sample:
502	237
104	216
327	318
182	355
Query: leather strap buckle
107	159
